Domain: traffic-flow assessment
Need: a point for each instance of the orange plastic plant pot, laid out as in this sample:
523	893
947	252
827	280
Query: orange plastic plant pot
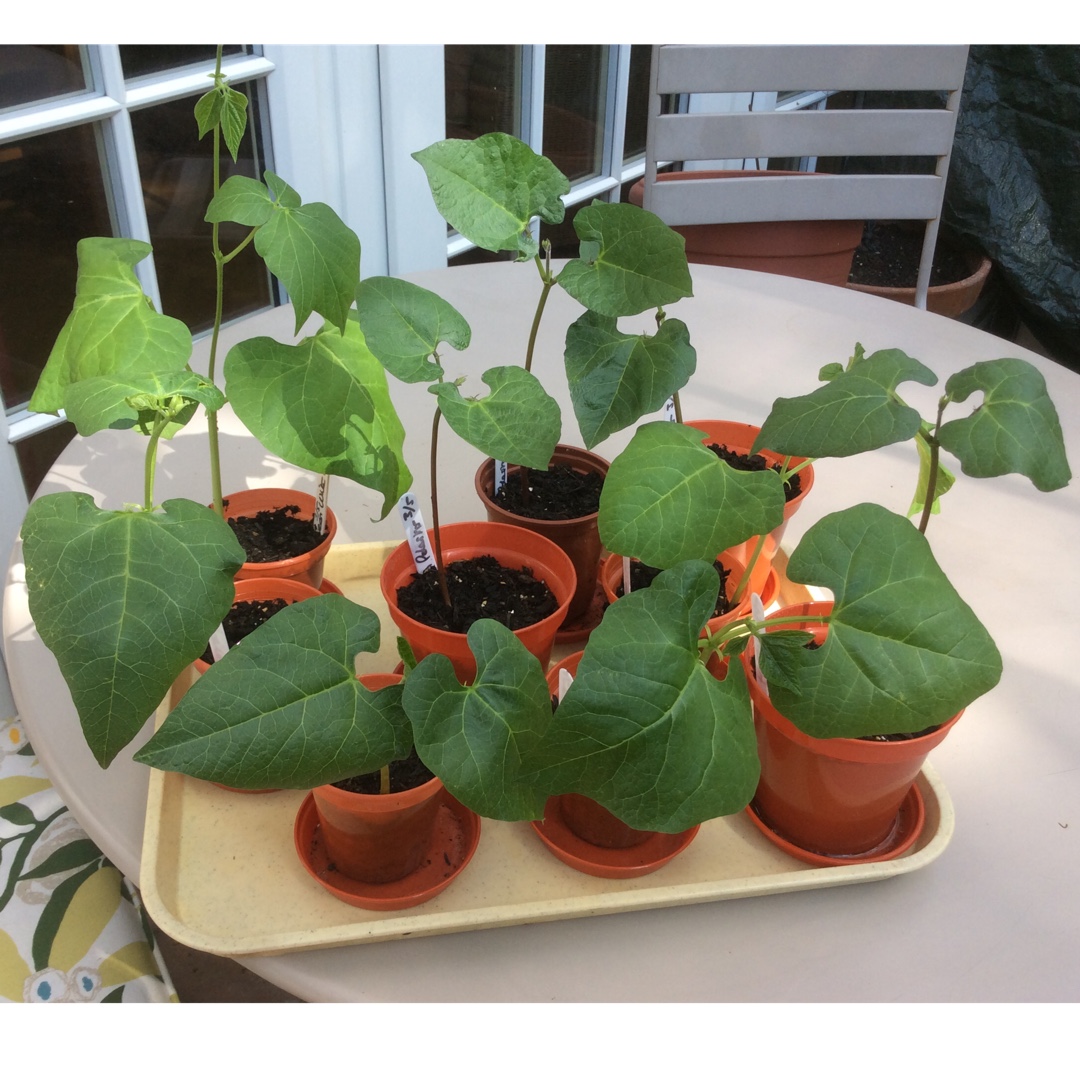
307	567
739	438
578	537
512	547
838	797
377	838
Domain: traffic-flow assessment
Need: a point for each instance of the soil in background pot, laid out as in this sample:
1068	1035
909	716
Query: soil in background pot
559	493
480	588
405	774
243	617
889	257
756	463
274	535
642	576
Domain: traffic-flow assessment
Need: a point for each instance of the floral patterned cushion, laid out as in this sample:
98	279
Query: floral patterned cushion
72	928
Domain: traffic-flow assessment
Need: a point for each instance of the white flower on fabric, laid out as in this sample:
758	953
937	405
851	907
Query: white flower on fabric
48	985
85	982
12	737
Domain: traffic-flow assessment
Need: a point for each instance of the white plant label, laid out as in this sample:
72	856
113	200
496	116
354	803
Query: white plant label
565	679
669	409
319	520
219	644
500	475
625	576
415	533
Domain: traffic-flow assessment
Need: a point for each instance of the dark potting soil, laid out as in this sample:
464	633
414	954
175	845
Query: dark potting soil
556	494
642	576
889	256
243	617
479	588
272	535
756	463
405	774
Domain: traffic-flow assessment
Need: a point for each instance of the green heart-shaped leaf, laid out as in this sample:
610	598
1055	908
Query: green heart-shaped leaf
1015	429
403	325
668	498
630	261
241	199
228	107
322	405
518	421
113	328
314	253
490	188
476	738
615	378
123	402
903	651
125	601
645	729
284	708
855	411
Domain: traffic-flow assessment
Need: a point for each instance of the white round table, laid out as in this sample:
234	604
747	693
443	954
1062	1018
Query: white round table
992	919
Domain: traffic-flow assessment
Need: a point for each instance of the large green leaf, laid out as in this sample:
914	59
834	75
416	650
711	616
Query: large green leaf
903	651
477	738
403	325
323	405
284	708
314	253
491	187
113	328
855	411
241	199
616	378
518	421
125	401
630	261
645	729
668	498
1015	429
125	600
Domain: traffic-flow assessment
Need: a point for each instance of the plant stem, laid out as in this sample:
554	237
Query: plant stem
435	509
932	472
384	780
678	407
150	468
219	304
549	284
744	581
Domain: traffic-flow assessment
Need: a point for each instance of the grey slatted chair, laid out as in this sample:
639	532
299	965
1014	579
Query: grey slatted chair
681	69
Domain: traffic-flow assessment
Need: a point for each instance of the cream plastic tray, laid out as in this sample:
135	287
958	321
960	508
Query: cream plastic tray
220	873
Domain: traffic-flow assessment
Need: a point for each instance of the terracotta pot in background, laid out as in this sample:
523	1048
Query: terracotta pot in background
611	578
512	547
308	567
814	250
578	537
836	797
739	438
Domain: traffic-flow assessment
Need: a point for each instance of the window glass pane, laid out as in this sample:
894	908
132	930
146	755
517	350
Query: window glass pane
637	102
36	454
483	92
146	59
574	89
177	180
51	196
40	73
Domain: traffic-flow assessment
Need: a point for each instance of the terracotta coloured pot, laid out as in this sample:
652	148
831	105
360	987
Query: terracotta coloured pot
611	577
377	838
308	567
740	437
512	547
814	250
578	537
585	817
836	797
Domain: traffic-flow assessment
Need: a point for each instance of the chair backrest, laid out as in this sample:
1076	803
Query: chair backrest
701	69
